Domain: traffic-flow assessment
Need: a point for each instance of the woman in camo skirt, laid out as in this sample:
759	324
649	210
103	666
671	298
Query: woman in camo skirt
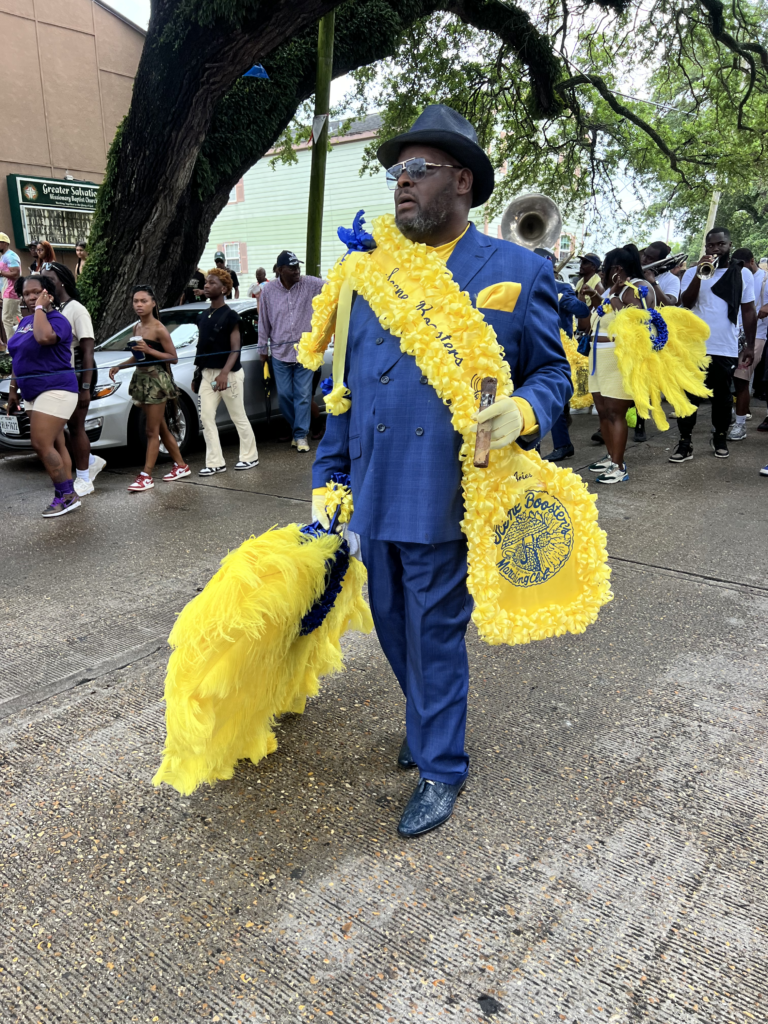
152	385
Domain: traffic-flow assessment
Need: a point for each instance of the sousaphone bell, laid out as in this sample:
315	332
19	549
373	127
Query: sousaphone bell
532	220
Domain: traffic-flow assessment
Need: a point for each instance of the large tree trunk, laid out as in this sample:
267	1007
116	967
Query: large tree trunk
196	126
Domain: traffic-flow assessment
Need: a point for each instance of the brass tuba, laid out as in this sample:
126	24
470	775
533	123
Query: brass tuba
532	220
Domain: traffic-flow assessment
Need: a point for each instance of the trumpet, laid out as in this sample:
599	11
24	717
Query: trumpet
707	268
668	263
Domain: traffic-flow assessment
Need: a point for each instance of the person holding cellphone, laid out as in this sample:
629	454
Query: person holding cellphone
41	353
152	386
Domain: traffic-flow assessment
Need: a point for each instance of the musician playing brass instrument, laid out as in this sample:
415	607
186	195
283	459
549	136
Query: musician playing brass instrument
663	281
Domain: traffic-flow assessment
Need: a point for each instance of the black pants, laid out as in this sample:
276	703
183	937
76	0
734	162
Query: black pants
718	379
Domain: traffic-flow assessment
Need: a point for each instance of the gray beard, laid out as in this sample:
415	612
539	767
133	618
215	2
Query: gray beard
427	222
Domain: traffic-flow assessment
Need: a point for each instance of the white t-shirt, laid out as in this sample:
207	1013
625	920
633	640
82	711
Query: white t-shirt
760	282
255	290
669	284
80	322
723	335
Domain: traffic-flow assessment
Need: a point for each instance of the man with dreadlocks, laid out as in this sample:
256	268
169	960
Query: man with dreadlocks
67	297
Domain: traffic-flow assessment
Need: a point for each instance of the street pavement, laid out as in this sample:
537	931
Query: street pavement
605	863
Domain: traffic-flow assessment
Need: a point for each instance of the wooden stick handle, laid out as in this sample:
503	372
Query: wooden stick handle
483	442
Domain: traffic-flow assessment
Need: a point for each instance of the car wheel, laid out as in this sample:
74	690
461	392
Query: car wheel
185	434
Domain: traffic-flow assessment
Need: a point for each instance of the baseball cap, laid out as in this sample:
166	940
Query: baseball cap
288	259
592	258
4	237
219	256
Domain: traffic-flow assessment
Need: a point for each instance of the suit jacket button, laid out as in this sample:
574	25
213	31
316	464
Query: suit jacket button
385	379
419	431
425	380
380	427
379	341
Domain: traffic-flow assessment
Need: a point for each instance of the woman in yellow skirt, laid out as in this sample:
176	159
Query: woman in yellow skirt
624	286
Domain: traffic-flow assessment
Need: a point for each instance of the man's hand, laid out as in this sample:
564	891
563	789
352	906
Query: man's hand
505	420
222	381
113	372
263	357
13	402
762	313
650	276
747	357
83	398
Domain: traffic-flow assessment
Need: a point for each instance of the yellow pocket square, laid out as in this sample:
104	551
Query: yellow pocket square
502	296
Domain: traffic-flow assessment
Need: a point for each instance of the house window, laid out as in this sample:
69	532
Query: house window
237	195
232	252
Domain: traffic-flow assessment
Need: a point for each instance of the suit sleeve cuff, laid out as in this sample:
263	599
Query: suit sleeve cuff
530	423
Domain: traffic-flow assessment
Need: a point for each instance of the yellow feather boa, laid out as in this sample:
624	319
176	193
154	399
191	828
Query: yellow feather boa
238	659
679	367
582	397
537	557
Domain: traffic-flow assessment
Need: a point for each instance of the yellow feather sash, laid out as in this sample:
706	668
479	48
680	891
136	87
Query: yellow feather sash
679	367
537	557
582	396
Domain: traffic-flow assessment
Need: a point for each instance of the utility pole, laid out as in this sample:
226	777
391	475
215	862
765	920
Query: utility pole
319	142
714	203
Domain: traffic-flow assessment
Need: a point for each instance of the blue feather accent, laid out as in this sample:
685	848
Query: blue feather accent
336	570
356	238
662	331
341	478
326	385
643	289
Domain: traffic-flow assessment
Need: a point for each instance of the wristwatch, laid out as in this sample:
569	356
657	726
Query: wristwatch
84	386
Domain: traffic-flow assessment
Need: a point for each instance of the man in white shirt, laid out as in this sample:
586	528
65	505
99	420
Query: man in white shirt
666	285
718	301
743	373
254	292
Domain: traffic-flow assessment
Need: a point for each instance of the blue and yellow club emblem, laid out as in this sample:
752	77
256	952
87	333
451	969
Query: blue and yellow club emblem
536	540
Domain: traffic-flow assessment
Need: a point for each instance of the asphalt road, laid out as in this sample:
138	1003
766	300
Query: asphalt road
606	862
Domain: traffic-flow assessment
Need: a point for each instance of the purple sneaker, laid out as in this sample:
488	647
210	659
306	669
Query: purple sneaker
61	504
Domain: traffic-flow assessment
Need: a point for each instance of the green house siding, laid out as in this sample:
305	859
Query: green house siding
272	214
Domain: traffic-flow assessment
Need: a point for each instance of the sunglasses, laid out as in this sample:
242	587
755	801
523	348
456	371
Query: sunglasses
416	168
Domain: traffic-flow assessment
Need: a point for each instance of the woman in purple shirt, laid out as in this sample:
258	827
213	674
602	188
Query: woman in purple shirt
41	355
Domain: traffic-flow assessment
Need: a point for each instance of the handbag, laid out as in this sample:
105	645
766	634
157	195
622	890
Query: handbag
584	343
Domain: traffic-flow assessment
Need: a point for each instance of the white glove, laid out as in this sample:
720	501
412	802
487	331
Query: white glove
318	509
505	419
353	539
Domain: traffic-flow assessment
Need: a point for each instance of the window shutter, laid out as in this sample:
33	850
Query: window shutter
240	191
243	258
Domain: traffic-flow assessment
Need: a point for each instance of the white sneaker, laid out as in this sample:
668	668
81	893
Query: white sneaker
737	432
96	468
601	465
302	445
83	487
615	475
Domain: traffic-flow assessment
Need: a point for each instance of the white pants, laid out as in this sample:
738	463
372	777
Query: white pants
233	399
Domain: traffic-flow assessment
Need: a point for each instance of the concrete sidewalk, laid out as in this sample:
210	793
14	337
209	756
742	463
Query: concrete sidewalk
606	862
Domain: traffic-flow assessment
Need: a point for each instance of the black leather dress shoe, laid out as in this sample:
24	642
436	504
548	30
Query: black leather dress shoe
430	806
597	437
405	757
640	435
566	452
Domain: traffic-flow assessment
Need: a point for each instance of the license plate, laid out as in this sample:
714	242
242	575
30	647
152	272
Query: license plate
9	425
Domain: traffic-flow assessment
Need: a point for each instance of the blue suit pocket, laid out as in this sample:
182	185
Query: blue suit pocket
355	448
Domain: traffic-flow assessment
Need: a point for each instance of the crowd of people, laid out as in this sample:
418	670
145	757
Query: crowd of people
51	341
726	289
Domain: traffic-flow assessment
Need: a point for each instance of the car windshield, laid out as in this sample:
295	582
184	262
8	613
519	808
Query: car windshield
181	324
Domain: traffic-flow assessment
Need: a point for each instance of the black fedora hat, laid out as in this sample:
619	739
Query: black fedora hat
442	127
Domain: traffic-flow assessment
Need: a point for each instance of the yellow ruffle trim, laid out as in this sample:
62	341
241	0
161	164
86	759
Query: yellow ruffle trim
337	401
679	367
489	493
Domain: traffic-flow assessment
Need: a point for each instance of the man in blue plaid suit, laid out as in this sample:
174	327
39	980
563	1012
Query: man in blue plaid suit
399	446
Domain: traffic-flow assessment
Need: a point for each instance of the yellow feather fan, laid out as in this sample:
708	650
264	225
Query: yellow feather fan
582	397
679	367
239	659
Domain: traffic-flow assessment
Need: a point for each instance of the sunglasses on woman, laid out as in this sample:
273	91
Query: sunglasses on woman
416	168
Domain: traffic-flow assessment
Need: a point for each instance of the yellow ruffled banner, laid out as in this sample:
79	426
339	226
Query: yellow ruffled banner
537	557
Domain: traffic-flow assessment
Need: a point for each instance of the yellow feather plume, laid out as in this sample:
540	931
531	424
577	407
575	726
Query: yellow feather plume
672	371
238	659
582	397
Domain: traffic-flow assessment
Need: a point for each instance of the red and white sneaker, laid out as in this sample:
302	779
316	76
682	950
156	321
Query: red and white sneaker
143	482
177	472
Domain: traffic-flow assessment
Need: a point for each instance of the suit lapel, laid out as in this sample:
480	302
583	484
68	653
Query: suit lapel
469	257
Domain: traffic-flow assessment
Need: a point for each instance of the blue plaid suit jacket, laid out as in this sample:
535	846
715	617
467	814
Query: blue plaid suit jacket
396	441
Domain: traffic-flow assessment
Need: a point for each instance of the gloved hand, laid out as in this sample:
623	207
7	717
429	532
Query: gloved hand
318	507
505	419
